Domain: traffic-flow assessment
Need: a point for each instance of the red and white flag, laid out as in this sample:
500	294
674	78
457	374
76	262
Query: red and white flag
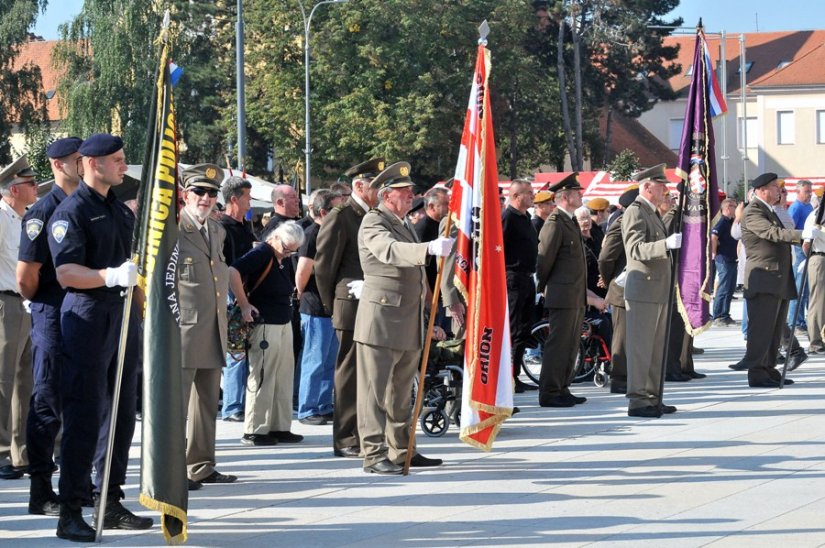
487	397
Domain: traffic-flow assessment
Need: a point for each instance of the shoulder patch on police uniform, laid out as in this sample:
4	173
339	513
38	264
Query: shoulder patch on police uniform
33	228
59	230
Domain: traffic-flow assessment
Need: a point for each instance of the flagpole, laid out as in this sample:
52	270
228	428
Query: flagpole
802	283
419	395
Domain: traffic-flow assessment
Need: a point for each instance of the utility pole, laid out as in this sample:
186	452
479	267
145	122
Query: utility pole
239	57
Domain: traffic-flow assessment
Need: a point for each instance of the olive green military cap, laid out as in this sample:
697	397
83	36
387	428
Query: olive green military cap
366	170
395	176
18	169
655	174
202	175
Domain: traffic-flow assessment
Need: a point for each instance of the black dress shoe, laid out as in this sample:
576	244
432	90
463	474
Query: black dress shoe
695	375
328	416
217	477
384	467
777	376
677	377
522	386
71	526
44	508
420	461
557	401
194	485
237	417
739	366
780	359
618	387
764	383
9	472
347	452
118	516
515	411
797	358
258	440
668	409
575	399
649	411
313	420
286	437
696	350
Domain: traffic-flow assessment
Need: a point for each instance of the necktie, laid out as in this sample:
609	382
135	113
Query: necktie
203	233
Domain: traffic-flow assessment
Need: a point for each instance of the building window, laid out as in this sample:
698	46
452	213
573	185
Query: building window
820	127
752	135
675	127
784	127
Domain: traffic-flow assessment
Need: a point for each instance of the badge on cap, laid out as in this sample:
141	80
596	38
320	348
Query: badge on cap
59	230
380	166
33	228
211	173
404	170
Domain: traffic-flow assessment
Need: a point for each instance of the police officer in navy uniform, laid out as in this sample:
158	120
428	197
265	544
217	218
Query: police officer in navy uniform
90	234
37	281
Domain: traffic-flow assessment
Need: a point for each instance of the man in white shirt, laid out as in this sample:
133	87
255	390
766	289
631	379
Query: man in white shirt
19	190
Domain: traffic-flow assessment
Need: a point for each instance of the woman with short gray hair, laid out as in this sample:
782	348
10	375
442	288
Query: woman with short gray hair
270	278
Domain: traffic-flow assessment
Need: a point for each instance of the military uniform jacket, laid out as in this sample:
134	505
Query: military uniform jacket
648	263
562	267
203	281
612	260
391	311
337	263
768	250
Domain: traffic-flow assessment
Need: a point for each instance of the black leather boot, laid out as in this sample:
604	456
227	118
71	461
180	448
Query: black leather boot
118	516
42	500
71	526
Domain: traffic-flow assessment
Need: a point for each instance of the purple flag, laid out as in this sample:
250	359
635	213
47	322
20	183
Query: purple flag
697	168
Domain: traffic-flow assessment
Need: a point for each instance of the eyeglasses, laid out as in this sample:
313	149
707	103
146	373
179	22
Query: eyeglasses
200	191
29	183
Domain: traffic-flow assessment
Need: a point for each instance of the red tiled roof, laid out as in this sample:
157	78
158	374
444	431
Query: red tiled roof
39	52
806	70
766	50
628	133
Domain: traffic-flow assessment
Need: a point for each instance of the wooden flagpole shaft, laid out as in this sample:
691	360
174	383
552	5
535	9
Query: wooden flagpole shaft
419	396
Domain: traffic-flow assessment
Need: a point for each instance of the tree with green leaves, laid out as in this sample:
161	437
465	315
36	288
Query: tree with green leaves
21	96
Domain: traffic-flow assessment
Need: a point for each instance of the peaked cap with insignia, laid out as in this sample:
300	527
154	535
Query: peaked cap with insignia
395	176
18	169
655	174
202	175
571	182
366	170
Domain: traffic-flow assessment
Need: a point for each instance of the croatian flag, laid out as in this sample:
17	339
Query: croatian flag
716	100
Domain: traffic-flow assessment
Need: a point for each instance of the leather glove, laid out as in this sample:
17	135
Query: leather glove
674	241
355	288
124	275
440	247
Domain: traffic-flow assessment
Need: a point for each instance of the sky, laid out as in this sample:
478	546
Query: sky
732	16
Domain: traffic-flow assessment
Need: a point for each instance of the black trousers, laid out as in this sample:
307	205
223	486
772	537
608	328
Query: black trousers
521	299
766	322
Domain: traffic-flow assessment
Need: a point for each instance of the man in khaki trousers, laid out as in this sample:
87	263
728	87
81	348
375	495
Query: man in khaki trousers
389	326
203	280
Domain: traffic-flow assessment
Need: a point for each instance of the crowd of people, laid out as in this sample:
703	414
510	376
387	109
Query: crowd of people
338	300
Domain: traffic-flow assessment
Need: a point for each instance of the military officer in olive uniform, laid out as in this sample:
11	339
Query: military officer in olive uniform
769	281
389	327
562	275
336	266
612	262
647	290
203	280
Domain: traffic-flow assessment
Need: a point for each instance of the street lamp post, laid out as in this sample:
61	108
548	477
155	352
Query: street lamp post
307	144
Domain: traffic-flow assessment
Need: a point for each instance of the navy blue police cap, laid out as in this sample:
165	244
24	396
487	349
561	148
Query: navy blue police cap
64	147
100	144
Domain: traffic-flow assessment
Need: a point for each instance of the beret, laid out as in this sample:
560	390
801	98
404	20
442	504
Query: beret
64	147
598	204
764	179
100	144
629	196
418	203
543	196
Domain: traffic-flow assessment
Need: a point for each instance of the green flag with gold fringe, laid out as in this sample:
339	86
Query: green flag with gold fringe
163	481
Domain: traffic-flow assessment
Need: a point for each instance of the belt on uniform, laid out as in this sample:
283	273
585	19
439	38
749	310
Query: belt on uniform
818	253
11	293
100	294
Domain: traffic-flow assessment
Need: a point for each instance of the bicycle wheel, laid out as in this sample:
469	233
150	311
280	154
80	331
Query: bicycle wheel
532	366
587	361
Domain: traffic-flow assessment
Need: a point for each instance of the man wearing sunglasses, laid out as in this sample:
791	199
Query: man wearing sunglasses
203	280
19	190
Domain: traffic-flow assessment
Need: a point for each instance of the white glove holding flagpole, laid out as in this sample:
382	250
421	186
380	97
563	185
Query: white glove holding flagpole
124	275
674	241
440	247
355	288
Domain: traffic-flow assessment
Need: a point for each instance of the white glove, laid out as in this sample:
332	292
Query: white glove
811	232
440	247
355	288
674	241
124	275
